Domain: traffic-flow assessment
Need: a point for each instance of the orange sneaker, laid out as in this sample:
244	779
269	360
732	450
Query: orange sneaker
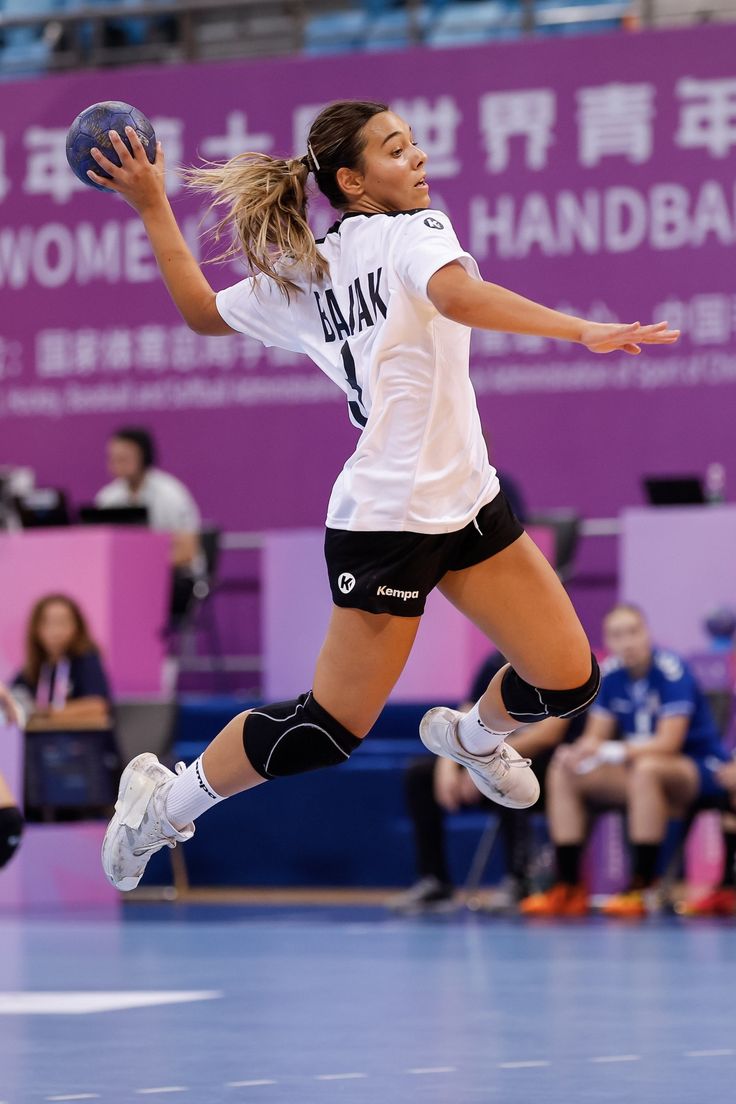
560	900
719	902
626	906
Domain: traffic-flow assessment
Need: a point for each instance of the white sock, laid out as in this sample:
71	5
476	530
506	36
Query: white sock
190	795
475	737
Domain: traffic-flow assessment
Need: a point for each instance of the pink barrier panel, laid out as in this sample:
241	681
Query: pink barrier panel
678	564
120	577
704	852
57	864
296	610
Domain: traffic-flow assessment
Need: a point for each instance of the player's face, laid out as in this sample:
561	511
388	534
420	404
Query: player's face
56	629
124	460
392	172
627	637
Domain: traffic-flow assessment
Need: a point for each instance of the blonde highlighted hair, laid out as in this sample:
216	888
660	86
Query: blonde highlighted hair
262	201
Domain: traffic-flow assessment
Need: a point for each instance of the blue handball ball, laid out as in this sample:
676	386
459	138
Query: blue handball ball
91	127
721	623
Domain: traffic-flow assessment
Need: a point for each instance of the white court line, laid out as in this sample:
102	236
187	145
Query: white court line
433	1069
709	1053
163	1089
339	1076
247	1084
617	1058
522	1065
76	1096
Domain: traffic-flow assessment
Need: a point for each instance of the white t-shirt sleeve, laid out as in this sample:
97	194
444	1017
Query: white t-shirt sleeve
186	513
112	494
257	307
427	244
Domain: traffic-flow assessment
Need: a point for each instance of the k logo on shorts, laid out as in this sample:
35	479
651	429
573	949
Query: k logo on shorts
434	224
346	582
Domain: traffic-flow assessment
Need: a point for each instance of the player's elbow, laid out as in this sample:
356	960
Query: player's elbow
451	305
203	318
197	325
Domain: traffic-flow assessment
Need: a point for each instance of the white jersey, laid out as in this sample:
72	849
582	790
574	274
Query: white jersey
171	508
421	463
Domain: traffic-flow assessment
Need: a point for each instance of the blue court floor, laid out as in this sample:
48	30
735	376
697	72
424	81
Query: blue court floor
229	1005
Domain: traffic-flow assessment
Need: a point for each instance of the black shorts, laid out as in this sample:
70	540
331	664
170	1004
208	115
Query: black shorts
388	572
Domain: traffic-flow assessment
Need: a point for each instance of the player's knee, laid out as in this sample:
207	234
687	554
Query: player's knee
645	769
528	704
294	737
11	830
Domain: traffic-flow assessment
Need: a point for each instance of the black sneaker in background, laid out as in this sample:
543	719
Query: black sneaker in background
427	895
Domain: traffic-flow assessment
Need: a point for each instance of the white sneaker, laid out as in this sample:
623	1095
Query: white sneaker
140	827
504	775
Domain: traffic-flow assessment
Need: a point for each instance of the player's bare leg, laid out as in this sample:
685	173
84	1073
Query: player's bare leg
516	599
360	661
519	603
358	665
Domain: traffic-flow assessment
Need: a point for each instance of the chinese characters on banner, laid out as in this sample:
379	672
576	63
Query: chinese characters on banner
553	184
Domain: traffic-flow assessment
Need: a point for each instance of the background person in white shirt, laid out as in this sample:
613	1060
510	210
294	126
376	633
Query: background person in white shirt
384	306
131	459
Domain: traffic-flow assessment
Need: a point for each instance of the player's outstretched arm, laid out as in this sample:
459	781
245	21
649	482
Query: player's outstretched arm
141	184
490	307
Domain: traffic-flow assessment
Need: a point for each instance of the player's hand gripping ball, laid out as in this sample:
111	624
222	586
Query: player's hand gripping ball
91	129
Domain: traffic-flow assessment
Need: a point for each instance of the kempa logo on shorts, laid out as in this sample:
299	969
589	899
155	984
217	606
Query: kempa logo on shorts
346	582
389	592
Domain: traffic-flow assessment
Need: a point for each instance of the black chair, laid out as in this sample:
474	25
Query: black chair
145	724
565	525
199	614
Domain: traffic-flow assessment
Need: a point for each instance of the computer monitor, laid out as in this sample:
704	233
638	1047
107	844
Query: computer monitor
113	515
674	490
44	506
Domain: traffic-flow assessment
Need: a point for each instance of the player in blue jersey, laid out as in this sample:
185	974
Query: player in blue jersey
650	745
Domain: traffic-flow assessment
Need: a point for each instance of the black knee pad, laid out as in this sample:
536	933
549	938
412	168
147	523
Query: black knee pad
11	829
528	704
294	737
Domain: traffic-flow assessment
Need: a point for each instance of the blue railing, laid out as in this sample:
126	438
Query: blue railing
42	35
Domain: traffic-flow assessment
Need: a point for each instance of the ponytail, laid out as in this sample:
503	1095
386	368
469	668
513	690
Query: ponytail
265	202
265	198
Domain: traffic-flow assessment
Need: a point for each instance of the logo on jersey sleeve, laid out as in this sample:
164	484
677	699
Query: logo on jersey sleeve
670	665
434	224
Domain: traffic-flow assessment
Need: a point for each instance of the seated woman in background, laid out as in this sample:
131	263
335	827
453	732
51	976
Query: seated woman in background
62	680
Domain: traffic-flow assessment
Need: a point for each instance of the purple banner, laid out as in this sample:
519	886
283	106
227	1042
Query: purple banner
594	174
